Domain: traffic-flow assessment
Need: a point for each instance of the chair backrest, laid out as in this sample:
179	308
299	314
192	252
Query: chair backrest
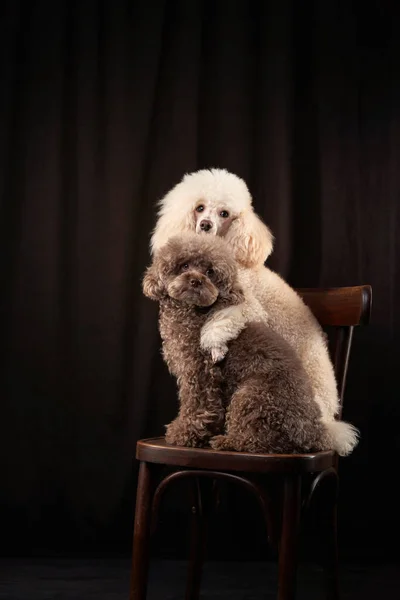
340	310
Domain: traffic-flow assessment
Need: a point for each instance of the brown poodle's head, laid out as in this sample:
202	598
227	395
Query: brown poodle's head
193	269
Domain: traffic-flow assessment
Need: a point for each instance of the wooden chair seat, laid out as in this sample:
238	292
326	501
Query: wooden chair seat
157	451
283	484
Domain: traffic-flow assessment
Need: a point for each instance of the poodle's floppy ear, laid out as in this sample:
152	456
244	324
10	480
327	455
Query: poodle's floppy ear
251	240
235	294
175	216
152	284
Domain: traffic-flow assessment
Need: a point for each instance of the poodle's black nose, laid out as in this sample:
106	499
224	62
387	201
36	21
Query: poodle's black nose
195	283
205	225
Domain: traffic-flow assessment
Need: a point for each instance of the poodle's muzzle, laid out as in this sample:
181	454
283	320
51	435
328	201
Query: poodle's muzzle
205	225
211	222
193	287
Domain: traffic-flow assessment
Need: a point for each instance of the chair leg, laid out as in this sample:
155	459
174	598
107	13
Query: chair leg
203	496
197	544
141	534
332	560
289	538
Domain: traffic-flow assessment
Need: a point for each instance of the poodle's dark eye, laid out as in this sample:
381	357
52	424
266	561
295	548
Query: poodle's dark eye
210	272
200	208
224	214
184	267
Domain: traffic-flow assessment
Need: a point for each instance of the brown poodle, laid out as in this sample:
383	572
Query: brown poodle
259	399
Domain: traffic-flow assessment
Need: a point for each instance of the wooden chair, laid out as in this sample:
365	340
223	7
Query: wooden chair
298	475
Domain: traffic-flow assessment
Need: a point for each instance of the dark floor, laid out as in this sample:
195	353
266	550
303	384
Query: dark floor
109	580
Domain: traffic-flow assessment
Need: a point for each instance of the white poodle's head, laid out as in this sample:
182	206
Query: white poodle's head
214	202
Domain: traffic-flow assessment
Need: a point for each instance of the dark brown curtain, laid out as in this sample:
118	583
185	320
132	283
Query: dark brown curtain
104	105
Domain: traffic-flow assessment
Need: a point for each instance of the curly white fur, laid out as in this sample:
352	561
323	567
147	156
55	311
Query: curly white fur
268	297
251	240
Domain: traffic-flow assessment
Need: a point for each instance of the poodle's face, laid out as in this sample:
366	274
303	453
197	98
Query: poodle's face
193	282
213	216
192	269
217	203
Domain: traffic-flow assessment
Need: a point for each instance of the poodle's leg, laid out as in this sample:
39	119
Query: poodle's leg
187	431
246	425
225	325
221	328
258	421
226	442
194	430
201	414
320	371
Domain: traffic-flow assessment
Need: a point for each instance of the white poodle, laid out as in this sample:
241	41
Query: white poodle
216	202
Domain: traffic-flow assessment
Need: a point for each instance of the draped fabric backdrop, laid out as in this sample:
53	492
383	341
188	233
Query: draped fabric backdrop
104	105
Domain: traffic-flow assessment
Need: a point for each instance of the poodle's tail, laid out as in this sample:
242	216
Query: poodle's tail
342	436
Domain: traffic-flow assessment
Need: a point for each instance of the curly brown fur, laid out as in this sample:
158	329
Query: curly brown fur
185	294
260	398
271	407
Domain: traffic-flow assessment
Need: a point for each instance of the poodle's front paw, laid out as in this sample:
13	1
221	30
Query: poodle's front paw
221	442
218	353
181	433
